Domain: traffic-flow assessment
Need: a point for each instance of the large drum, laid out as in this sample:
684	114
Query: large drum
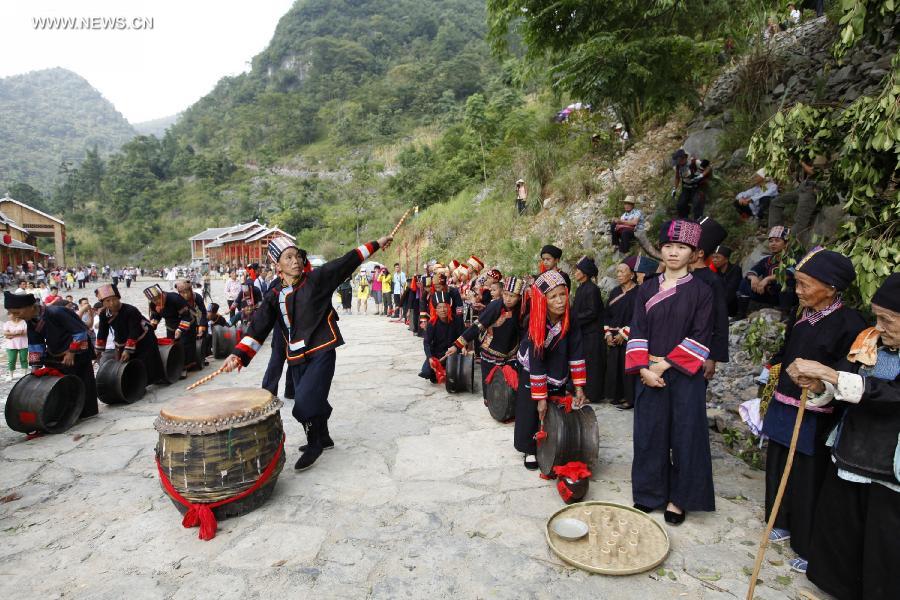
460	373
572	436
49	403
224	340
216	444
501	399
121	383
172	355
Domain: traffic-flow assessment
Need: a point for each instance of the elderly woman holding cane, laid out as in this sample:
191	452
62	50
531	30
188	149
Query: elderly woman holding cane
823	331
854	550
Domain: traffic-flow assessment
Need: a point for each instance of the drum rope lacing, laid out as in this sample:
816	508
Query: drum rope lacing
200	513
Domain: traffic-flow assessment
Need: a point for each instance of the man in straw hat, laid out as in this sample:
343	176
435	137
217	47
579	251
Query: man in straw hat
58	339
134	336
299	308
623	230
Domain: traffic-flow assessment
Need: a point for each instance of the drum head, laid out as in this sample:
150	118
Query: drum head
501	399
549	449
216	410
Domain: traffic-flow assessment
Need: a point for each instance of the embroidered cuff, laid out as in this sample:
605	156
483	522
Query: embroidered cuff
637	356
578	369
246	349
850	387
130	345
538	387
460	342
184	325
688	356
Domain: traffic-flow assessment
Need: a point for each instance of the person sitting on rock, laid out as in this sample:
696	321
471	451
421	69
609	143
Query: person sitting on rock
692	174
623	229
754	202
805	198
760	284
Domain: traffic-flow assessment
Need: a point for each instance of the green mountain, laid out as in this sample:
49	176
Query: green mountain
49	117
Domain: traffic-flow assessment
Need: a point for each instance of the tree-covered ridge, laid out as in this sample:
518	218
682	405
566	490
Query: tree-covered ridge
51	117
349	72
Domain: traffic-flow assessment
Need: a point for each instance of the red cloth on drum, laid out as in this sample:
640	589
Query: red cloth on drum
201	513
573	470
564	492
509	374
47	371
564	401
439	371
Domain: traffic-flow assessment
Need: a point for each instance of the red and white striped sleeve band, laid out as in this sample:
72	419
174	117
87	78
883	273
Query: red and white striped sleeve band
637	355
184	325
130	344
248	347
366	250
538	387
578	369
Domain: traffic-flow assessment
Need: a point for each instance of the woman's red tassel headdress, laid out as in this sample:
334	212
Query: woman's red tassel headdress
537	323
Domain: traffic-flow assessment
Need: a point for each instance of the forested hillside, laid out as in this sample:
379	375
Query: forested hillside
358	110
51	117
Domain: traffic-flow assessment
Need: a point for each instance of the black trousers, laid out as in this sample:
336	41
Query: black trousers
276	366
595	361
855	549
83	369
312	383
691	197
800	495
617	386
672	460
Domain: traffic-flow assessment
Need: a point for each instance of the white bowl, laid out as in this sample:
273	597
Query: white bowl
570	529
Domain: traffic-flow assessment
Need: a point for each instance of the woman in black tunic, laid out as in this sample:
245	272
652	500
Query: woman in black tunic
618	387
588	313
135	338
823	331
499	328
550	358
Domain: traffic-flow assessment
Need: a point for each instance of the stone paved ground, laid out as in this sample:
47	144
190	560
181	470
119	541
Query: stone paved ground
424	496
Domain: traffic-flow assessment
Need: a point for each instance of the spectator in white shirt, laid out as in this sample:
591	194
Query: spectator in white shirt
754	202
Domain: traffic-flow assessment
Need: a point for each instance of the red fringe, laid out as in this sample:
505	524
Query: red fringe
564	492
47	371
439	371
509	374
564	401
573	470
537	321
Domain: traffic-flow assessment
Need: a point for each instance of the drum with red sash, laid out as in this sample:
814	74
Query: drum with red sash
567	435
220	452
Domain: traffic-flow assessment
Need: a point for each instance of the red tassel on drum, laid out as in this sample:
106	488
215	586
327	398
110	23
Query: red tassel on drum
564	401
47	371
574	470
509	374
440	372
564	492
203	515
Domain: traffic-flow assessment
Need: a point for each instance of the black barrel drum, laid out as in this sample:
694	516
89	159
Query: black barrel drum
460	373
172	355
223	340
572	436
501	399
121	383
49	403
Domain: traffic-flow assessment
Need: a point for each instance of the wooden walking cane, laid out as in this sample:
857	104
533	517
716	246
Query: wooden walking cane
760	554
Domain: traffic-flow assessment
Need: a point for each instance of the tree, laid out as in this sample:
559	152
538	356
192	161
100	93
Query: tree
640	57
862	140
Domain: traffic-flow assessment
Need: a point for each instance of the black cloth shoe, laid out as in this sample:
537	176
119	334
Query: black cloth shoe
674	518
313	445
327	442
531	465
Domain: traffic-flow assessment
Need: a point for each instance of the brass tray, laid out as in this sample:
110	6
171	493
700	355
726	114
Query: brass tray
622	541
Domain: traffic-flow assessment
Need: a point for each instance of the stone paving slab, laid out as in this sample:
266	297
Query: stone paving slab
424	496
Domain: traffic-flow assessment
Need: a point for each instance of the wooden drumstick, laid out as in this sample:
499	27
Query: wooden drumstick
400	222
206	379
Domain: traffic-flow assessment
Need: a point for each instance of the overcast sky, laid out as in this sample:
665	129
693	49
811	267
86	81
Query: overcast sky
146	73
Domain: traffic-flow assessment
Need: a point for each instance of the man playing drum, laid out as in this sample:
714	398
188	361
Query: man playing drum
299	307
